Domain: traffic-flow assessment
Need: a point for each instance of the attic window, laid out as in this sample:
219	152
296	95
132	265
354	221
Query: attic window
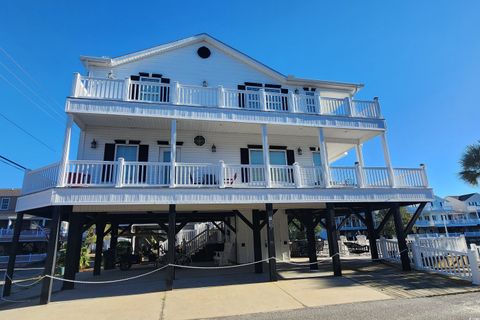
203	52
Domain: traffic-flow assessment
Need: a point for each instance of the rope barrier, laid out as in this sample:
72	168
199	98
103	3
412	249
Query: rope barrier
107	281
17	282
38	279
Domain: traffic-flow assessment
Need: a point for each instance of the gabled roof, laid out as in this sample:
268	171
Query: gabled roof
112	62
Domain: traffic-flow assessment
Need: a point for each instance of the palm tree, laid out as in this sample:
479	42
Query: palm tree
470	163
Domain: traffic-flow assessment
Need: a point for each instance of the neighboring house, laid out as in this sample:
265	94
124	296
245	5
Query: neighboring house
195	130
33	238
452	214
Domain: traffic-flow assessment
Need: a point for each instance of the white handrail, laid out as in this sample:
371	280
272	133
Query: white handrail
157	92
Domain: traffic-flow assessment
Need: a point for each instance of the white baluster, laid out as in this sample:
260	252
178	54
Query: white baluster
296	175
263	99
293	102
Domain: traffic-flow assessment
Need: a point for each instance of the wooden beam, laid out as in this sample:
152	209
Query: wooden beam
7	287
245	220
272	263
332	240
180	226
218	227
359	216
384	221
402	243
49	266
344	220
229	225
414	218
171	247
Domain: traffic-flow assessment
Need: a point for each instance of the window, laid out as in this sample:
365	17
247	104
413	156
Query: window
317	160
5	204
253	98
127	152
277	157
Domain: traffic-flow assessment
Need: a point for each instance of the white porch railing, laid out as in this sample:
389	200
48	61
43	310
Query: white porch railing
190	95
41	179
244	176
343	177
25	258
196	175
375	177
146	173
91	173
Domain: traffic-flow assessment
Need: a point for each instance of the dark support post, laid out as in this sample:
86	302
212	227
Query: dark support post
49	270
332	240
402	243
257	241
312	242
99	231
372	234
112	257
74	242
7	287
171	246
272	263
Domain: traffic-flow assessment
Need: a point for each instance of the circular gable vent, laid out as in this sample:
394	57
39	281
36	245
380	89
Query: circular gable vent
199	140
203	52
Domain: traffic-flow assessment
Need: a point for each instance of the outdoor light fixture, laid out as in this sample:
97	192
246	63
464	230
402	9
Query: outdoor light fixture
204	83
296	91
214	148
93	144
299	151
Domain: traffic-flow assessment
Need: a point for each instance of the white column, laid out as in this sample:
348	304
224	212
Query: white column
324	157
388	163
173	151
359	151
266	155
66	151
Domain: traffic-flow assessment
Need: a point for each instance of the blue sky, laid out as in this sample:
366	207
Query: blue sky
421	59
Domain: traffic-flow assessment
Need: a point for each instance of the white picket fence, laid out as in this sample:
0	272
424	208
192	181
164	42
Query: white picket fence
449	256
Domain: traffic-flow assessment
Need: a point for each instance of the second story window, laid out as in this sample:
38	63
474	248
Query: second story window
5	204
149	87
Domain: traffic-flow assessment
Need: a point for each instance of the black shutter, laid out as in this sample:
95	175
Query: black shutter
244	159
143	153
142	157
241	97
291	161
284	99
134	88
290	157
108	155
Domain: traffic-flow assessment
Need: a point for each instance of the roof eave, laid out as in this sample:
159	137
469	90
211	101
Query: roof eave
353	88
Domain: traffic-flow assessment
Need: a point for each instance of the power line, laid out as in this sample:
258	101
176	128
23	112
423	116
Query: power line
28	133
30	99
19	66
12	163
31	90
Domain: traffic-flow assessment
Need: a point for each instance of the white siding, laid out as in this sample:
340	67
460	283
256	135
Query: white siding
228	144
245	238
185	66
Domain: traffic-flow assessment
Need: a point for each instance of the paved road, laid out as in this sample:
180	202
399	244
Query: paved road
460	306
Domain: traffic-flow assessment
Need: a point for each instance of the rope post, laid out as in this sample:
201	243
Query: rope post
7	287
474	264
49	270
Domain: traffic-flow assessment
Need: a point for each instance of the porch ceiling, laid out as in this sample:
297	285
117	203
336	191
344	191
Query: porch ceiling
332	134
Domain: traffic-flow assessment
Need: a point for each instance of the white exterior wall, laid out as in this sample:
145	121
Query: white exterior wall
228	144
245	238
185	66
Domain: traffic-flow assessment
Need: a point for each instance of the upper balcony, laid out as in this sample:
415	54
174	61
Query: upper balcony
269	103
